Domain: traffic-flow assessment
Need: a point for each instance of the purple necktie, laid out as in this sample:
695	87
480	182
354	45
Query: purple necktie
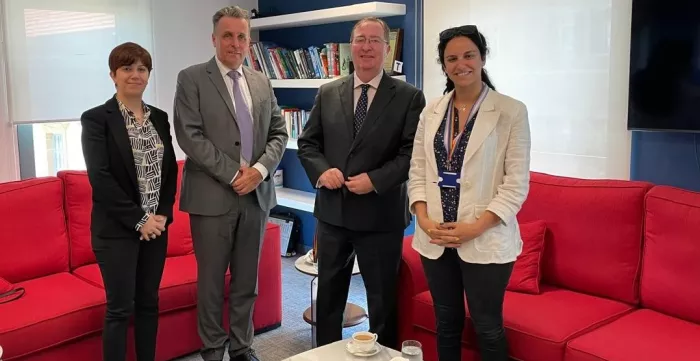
243	118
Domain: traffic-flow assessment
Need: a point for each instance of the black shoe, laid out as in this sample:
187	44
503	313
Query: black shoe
246	356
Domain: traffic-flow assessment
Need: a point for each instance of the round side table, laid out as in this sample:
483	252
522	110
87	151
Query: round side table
354	314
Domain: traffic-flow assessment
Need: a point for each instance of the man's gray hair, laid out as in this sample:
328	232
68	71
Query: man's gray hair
372	19
232	12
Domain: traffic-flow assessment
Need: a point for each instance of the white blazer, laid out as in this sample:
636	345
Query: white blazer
495	176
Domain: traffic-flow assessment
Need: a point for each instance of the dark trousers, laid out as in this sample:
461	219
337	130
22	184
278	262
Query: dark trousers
449	279
131	271
231	241
378	255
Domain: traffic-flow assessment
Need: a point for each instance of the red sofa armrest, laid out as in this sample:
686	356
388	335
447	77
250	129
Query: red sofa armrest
412	281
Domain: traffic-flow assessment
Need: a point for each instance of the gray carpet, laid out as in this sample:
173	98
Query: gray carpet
294	336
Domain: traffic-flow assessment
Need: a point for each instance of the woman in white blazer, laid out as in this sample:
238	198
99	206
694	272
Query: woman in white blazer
468	179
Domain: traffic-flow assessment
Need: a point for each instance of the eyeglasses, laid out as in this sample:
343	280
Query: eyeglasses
372	41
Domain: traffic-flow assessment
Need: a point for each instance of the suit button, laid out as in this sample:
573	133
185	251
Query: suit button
237	143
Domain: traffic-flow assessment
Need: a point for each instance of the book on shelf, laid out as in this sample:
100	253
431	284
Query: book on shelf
276	62
295	119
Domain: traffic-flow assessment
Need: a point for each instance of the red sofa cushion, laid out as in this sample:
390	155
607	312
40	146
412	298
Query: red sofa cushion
78	200
594	231
643	335
180	238
33	229
55	309
178	287
671	261
537	326
527	270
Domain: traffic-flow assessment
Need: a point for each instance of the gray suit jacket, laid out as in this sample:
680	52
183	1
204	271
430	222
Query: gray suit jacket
206	130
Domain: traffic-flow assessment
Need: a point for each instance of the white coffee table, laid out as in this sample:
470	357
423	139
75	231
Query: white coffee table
337	352
354	314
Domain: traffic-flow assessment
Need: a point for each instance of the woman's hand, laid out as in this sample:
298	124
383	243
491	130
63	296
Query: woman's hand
152	228
452	235
427	225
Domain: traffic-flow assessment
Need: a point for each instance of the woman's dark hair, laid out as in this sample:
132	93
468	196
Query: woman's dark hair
127	54
468	31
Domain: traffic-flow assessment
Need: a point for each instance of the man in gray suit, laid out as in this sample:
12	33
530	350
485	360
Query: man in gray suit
228	123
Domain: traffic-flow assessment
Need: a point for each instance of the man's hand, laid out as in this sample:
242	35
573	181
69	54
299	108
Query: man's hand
331	179
360	184
247	180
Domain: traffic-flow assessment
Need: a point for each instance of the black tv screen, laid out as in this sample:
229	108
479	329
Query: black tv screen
664	84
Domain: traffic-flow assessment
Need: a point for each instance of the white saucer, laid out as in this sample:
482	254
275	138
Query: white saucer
350	347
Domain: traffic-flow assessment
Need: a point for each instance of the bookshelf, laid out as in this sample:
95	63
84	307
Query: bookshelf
293	30
296	199
330	15
309	83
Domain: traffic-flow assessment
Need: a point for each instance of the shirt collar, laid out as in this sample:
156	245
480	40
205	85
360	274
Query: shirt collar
374	83
146	110
225	70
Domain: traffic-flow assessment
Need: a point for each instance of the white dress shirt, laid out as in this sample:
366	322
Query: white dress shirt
243	85
357	90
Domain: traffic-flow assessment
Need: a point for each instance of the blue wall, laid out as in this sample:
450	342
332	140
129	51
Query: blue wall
666	158
302	37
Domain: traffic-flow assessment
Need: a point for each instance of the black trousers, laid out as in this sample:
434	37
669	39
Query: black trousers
131	271
449	279
379	256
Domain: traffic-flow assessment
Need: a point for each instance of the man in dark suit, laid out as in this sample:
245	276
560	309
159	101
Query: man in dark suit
356	149
228	123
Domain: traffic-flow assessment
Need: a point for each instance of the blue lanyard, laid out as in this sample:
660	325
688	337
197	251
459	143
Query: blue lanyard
450	139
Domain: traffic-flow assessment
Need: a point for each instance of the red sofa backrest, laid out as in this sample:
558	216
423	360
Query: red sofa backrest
33	236
78	203
594	236
179	230
670	276
78	200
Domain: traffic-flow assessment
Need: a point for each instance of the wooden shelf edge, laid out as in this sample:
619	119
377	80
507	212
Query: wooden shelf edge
311	83
295	199
329	15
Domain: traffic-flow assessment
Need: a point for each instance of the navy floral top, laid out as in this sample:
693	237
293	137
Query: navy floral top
450	196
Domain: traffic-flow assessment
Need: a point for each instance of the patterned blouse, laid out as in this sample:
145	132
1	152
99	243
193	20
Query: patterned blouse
147	148
450	196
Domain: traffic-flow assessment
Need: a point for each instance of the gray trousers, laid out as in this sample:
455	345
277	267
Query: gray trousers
232	241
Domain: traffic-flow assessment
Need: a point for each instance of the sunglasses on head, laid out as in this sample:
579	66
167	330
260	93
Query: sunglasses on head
460	30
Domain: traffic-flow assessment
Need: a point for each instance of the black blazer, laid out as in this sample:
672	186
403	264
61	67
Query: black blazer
382	148
116	201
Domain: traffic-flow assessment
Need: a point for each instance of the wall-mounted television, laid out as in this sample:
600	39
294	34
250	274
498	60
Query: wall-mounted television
664	82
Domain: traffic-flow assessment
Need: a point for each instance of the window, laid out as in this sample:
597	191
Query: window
567	61
57	52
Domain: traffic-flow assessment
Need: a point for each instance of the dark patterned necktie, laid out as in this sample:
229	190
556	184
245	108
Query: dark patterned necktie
361	110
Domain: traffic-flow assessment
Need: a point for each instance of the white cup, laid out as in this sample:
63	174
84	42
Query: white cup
364	341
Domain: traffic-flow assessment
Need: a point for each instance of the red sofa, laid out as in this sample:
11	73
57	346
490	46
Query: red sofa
620	274
45	243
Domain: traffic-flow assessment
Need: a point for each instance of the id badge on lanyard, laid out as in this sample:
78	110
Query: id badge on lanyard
450	178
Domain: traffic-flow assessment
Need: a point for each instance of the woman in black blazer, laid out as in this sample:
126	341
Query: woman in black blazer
133	173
